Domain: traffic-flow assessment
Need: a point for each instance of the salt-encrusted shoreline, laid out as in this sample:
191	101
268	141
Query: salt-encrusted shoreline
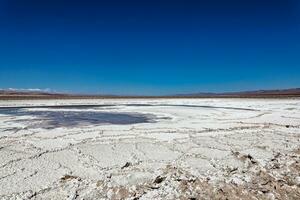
198	148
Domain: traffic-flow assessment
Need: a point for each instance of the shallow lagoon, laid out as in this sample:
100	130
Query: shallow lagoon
54	118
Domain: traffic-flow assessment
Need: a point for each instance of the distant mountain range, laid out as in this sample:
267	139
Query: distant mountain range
44	94
281	92
27	94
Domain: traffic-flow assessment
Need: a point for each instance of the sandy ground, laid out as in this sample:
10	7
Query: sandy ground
190	149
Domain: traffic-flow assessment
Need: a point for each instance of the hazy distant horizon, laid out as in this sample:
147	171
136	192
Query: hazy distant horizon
47	90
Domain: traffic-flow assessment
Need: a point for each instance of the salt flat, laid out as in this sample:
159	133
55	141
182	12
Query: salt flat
150	149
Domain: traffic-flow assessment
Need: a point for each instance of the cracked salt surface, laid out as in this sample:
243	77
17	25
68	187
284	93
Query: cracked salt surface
197	148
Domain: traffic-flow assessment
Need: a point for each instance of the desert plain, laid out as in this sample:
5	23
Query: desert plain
150	149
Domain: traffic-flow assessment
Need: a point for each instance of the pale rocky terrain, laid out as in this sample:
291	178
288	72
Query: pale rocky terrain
180	149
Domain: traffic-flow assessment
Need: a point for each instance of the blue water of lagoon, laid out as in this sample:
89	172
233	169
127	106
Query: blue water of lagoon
55	118
79	115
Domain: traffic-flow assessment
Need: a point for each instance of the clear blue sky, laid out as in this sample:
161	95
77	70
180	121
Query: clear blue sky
149	47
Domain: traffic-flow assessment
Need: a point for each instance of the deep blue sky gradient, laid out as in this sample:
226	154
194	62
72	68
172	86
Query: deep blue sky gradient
149	47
